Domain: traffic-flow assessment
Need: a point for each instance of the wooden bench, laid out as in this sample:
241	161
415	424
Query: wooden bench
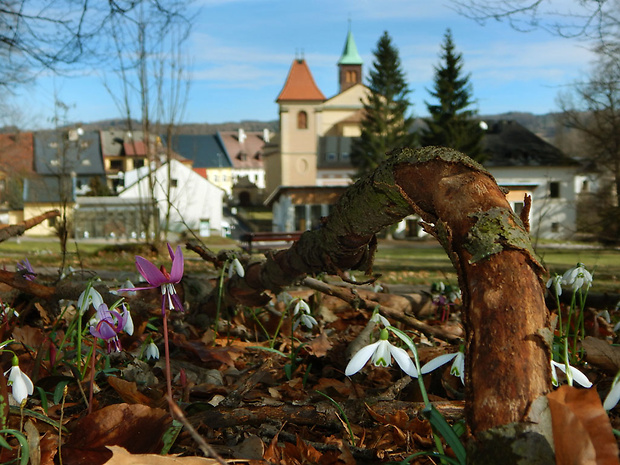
265	240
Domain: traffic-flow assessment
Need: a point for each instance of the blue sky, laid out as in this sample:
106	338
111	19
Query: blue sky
241	51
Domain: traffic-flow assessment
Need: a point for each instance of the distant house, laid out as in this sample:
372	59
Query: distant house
245	150
523	163
209	157
45	193
73	153
127	150
194	203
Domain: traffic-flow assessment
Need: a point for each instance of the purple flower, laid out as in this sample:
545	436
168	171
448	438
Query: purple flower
107	325
159	277
26	269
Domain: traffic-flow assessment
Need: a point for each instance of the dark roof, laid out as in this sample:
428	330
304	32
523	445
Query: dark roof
507	143
56	153
206	151
47	189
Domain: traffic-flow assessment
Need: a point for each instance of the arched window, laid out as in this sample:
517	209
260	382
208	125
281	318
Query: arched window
302	120
351	76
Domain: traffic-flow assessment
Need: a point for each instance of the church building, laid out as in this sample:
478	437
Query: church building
309	167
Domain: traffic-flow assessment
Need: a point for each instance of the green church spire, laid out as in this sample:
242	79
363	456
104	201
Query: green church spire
350	56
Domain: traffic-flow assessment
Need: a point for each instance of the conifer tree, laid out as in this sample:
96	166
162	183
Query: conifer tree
451	123
385	126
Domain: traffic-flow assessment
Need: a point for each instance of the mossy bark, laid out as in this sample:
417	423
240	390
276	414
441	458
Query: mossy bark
505	316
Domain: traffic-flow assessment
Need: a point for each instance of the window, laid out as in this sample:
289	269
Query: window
585	186
554	190
555	227
174	183
517	207
215	178
116	165
351	76
331	156
302	120
138	163
345	156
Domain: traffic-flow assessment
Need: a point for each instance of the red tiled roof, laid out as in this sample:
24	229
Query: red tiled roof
247	154
17	153
134	148
300	84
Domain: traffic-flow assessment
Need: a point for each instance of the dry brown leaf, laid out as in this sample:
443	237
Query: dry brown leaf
138	428
581	430
251	447
129	392
120	456
34	442
320	345
602	354
49	448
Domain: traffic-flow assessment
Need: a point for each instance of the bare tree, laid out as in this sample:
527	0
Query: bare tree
593	109
58	34
152	87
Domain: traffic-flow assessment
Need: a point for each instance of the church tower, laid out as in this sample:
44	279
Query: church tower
350	64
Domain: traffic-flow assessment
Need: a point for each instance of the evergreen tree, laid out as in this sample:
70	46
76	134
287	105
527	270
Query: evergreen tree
385	126
451	123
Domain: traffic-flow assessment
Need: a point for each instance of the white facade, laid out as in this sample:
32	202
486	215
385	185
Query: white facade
554	191
196	203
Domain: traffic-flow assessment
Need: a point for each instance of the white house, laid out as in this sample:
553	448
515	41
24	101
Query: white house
195	202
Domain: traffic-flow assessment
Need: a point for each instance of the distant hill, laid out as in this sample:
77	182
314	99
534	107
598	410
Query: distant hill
542	125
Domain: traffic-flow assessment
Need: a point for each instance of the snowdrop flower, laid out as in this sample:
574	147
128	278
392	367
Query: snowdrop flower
157	277
21	383
128	328
573	374
235	267
302	313
152	351
577	277
555	283
381	353
86	299
614	394
457	369
377	318
7	311
128	289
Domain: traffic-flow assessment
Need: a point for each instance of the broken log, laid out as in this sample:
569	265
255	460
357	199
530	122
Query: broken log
507	322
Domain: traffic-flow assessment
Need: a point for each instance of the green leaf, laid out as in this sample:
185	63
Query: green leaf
269	349
23	442
442	427
170	435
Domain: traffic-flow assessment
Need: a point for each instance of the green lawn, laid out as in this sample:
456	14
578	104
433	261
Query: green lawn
398	262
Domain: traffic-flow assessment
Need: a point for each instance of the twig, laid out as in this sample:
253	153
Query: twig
177	413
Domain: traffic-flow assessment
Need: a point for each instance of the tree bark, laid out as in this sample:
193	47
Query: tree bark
506	320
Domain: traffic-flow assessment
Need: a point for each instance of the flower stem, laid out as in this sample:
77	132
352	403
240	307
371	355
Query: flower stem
167	356
92	377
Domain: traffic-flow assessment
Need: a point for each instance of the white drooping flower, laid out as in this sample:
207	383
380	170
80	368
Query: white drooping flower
377	318
555	283
301	313
235	266
613	397
458	365
22	386
577	277
92	297
572	374
381	353
152	351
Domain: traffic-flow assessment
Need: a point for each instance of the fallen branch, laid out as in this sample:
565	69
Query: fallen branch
506	321
12	230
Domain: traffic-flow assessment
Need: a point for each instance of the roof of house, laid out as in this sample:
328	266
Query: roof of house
350	55
48	189
17	153
206	151
507	143
58	153
300	84
245	148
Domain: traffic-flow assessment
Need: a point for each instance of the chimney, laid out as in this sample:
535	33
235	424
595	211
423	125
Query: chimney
266	135
242	136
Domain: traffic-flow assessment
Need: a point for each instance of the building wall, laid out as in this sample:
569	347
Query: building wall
196	201
551	216
47	227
